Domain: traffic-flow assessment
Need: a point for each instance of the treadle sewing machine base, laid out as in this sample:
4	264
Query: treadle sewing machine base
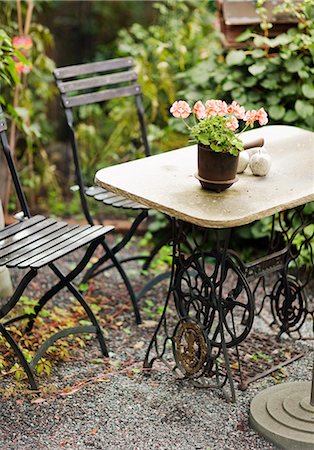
215	297
214	293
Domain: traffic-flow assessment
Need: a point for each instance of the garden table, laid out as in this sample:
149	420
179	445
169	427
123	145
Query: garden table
209	283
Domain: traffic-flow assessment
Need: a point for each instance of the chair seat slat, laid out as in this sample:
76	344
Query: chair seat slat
32	234
112	201
99	66
127	204
94	190
27	239
94	233
53	245
105	195
138	206
97	81
100	96
11	230
37	246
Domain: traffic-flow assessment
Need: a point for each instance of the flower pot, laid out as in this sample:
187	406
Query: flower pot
216	171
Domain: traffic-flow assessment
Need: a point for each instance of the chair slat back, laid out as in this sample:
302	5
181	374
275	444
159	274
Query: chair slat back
100	96
92	68
12	168
97	82
85	84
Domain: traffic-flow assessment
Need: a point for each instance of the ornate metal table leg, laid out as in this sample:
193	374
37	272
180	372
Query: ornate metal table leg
290	297
211	297
284	277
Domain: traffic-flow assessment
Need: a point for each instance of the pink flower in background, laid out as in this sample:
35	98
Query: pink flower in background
262	116
22	42
180	109
23	68
232	123
237	110
24	45
199	110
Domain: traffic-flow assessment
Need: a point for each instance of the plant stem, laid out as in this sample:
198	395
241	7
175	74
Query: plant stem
186	124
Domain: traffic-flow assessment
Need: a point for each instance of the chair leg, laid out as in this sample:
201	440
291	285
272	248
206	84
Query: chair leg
20	356
60	285
18	292
126	282
127	237
86	307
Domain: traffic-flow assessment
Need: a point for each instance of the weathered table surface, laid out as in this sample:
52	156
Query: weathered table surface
166	182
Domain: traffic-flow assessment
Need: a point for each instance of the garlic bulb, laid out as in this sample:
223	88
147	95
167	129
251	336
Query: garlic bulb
260	163
243	161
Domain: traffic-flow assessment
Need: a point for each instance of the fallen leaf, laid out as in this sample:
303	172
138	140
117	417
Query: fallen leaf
148	324
39	400
138	345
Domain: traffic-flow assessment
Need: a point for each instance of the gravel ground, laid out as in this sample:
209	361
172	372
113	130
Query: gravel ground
111	404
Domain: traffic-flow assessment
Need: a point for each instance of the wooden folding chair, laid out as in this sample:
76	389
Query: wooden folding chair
37	242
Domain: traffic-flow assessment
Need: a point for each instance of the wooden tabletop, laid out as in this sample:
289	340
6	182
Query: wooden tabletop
166	182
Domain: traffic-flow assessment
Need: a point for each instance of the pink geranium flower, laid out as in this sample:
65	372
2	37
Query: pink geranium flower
216	108
180	109
237	110
199	110
250	117
215	122
232	123
262	116
222	108
211	108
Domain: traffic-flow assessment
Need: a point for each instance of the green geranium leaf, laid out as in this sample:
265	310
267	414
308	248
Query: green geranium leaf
290	116
273	99
294	65
281	39
303	108
258	53
290	89
269	83
235	57
308	90
249	82
259	41
257	68
244	36
286	77
228	85
276	112
303	74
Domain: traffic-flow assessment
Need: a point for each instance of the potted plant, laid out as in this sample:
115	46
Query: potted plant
215	124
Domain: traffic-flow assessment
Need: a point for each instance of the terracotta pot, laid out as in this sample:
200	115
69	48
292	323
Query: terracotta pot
216	171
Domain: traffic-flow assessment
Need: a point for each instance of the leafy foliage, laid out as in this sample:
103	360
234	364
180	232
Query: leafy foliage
8	72
164	52
276	73
213	131
27	104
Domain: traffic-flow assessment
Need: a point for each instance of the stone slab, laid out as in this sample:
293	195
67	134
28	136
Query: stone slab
166	182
